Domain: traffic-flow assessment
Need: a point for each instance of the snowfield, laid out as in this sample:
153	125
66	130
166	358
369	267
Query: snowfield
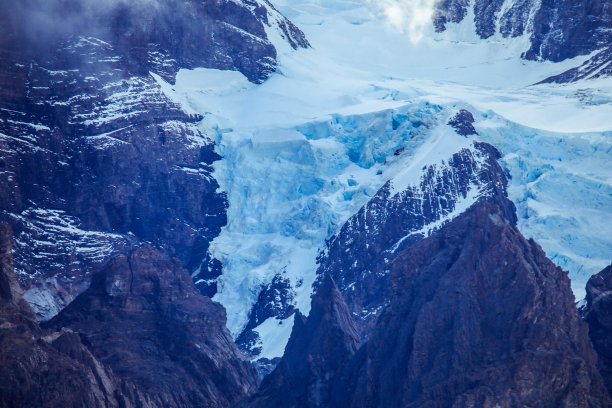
305	150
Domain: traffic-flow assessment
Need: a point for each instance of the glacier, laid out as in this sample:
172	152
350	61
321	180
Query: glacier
561	184
291	189
305	150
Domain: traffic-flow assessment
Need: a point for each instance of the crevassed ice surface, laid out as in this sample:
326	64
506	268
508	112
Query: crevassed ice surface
306	149
290	189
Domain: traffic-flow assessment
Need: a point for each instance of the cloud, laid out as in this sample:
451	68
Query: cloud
412	17
42	22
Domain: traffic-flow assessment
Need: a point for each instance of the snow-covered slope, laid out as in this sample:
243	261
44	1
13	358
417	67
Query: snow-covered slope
305	150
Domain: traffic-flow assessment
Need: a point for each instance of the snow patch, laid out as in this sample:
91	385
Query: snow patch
461	205
274	335
440	146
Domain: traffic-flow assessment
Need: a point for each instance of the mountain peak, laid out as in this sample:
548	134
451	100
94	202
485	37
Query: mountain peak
317	350
479	316
162	335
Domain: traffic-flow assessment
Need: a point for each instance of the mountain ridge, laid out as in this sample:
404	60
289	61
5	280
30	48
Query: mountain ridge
450	338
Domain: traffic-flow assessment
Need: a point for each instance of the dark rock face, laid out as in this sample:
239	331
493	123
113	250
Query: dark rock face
147	338
318	349
479	317
277	299
471	315
360	255
95	159
598	315
160	35
484	16
598	66
95	164
39	369
449	11
557	29
568	28
143	317
10	291
463	123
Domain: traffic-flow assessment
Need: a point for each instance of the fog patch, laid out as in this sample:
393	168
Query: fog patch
412	17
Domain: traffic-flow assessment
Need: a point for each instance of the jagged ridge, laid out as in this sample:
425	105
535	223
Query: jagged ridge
478	317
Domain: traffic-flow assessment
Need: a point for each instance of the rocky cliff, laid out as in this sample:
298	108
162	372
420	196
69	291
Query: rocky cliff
598	66
141	336
597	312
319	348
44	369
464	311
479	317
143	317
360	255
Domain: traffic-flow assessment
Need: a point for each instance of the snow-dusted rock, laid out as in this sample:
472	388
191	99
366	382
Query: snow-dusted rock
556	29
96	159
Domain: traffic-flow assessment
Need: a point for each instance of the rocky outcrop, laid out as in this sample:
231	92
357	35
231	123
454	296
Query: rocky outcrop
318	350
467	311
94	163
463	123
597	312
449	11
479	317
95	159
143	317
140	336
557	29
565	29
360	255
598	66
45	369
158	35
275	300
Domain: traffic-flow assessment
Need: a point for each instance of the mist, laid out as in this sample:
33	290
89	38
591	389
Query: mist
412	17
40	23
